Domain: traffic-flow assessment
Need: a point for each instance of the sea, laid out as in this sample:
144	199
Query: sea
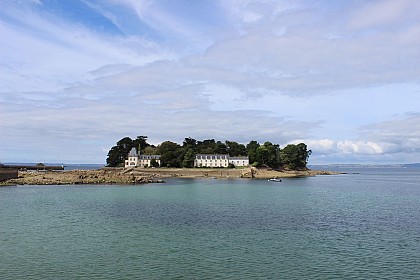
364	224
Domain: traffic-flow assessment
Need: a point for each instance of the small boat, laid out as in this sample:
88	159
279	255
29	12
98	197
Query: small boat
274	180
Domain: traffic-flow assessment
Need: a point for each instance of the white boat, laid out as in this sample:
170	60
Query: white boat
274	180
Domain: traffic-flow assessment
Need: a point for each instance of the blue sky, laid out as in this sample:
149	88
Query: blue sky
78	75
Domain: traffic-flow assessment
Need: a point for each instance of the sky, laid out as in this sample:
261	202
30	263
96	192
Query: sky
341	76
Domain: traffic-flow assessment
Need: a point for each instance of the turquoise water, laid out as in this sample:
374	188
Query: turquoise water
355	226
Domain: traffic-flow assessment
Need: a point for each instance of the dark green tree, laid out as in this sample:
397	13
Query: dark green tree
273	154
171	154
262	156
190	143
207	146
295	156
221	148
251	149
140	142
118	153
235	149
149	150
189	157
304	154
154	163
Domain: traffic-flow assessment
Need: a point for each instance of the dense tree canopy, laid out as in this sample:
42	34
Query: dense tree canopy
251	149
171	154
295	156
174	155
235	149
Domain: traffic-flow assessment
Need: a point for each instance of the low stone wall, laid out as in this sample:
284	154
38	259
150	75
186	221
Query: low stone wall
192	172
223	173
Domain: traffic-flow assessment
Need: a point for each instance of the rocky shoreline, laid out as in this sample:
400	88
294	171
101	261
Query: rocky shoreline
119	176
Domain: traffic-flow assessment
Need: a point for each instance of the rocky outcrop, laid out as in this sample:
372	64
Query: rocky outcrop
76	177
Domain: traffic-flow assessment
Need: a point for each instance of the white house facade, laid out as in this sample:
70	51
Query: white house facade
239	161
137	160
219	160
211	160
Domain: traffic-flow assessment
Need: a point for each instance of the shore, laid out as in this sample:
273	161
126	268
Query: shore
224	173
120	176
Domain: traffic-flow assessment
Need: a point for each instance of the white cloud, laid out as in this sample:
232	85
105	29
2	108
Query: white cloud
396	140
279	71
359	147
385	12
402	133
47	53
248	12
321	146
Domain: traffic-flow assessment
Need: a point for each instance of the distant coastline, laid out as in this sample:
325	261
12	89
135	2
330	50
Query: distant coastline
68	166
359	165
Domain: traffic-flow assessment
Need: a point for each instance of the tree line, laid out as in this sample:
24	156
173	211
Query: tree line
175	155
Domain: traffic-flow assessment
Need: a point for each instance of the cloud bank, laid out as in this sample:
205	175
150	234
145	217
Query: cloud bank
342	77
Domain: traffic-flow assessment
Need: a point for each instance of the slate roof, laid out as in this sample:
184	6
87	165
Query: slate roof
150	156
133	153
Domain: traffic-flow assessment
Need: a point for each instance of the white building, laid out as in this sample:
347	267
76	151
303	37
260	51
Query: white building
137	160
217	160
211	160
239	161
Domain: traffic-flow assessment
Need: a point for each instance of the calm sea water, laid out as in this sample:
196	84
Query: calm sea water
355	226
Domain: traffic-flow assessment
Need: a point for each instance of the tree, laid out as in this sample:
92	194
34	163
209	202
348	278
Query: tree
171	154
251	149
190	143
154	163
220	148
273	154
206	147
235	149
295	156
262	155
149	150
189	158
140	143
304	154
267	154
118	153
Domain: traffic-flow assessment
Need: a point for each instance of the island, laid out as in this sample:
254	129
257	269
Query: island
121	176
138	162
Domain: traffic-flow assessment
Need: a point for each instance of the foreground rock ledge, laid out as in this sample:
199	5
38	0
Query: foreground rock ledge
109	176
76	177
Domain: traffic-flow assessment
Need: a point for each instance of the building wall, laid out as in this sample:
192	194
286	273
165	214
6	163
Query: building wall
211	163
147	162
211	160
239	161
215	160
143	161
131	162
